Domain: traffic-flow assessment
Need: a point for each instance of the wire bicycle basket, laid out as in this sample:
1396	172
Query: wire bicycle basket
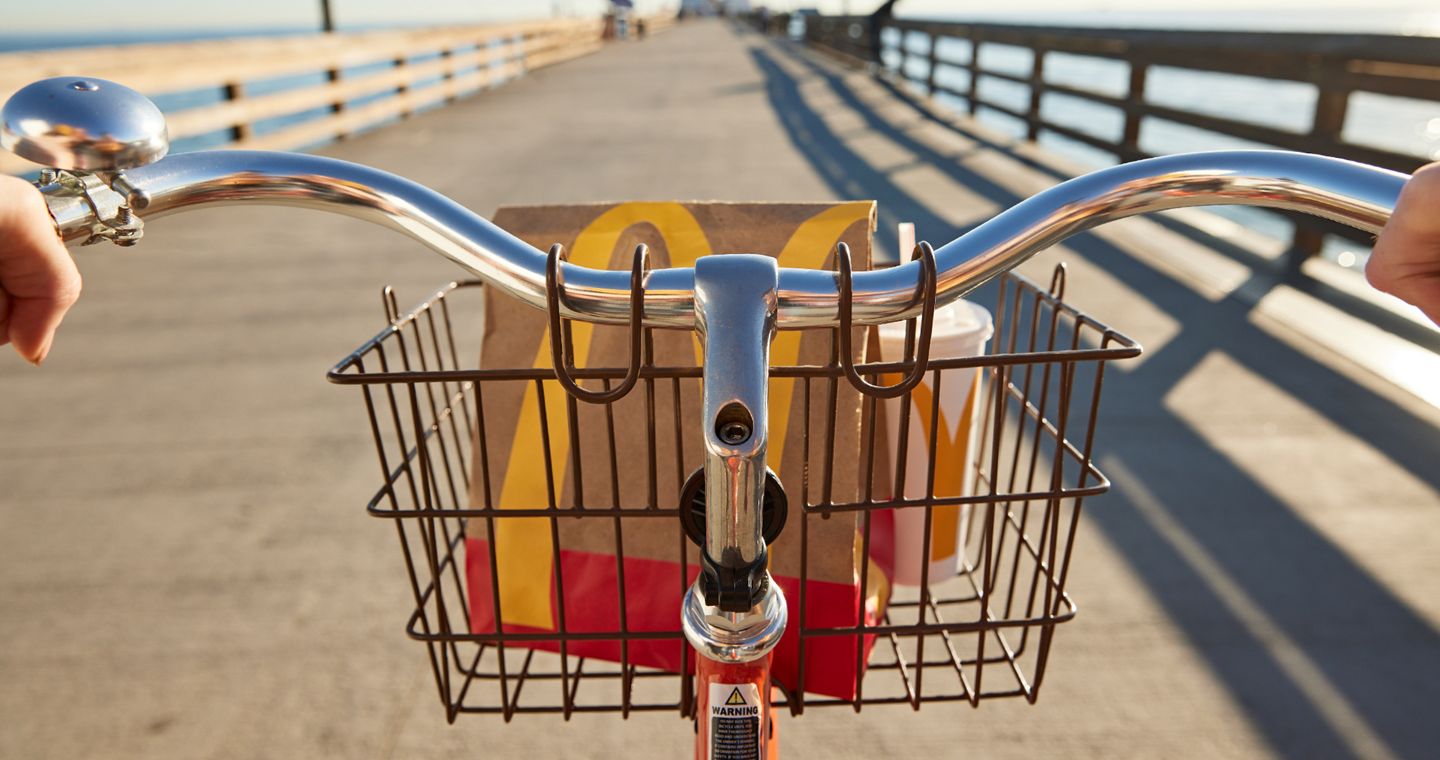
985	633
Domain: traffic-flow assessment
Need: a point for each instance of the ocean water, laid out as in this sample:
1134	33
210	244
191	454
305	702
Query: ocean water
1400	124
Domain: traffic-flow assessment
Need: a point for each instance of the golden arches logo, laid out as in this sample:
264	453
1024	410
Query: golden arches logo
952	444
523	552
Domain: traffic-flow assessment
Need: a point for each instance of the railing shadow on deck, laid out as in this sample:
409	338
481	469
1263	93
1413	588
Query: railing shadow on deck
1364	641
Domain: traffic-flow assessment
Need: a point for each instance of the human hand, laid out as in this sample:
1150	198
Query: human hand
38	279
1406	260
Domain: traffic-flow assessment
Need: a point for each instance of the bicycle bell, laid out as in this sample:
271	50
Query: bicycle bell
83	124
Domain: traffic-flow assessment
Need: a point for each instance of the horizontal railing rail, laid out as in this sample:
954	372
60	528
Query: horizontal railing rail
1336	65
234	92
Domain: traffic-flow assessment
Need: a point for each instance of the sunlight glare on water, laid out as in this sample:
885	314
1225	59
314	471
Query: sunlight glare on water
1422	24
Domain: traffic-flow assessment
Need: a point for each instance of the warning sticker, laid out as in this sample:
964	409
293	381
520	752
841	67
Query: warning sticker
734	721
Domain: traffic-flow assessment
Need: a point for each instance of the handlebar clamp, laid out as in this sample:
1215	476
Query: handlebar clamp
108	197
737	588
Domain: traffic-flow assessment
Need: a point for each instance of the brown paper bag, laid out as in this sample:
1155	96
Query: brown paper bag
532	461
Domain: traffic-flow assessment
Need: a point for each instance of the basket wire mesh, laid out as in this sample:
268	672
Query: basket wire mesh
985	633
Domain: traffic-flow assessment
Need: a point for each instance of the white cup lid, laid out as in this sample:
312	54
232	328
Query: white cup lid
961	329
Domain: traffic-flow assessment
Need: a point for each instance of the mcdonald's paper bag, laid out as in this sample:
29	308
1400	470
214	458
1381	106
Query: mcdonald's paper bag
624	577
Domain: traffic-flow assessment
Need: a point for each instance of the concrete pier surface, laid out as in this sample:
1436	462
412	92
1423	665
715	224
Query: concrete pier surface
186	570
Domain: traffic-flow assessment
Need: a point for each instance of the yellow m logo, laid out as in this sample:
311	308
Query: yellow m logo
523	551
952	453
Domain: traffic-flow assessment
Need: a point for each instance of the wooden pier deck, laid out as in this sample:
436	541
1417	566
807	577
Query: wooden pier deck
185	571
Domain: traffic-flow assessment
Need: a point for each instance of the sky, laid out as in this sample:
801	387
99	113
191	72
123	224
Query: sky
22	16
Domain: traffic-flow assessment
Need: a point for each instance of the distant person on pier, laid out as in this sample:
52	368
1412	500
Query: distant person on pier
39	281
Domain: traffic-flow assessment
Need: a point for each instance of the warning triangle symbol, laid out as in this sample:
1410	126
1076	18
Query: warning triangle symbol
735	698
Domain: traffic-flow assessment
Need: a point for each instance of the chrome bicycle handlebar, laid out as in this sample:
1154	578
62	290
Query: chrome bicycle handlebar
109	141
1354	194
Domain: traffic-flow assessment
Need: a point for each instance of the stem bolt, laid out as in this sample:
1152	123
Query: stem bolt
734	433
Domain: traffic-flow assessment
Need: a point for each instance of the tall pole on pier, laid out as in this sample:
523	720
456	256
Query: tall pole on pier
327	19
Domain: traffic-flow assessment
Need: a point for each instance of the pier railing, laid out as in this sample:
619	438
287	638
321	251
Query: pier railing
287	92
1336	65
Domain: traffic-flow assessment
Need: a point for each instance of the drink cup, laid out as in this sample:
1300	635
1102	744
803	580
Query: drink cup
961	329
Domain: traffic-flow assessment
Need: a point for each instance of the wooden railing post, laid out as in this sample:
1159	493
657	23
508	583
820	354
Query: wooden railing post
1129	148
338	105
333	75
448	55
974	90
933	61
404	86
1306	242
241	129
1330	110
1037	88
1329	121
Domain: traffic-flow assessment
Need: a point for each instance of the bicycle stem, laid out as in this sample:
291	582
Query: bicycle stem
733	612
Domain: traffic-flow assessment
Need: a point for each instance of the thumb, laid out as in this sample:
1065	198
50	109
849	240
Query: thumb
36	272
